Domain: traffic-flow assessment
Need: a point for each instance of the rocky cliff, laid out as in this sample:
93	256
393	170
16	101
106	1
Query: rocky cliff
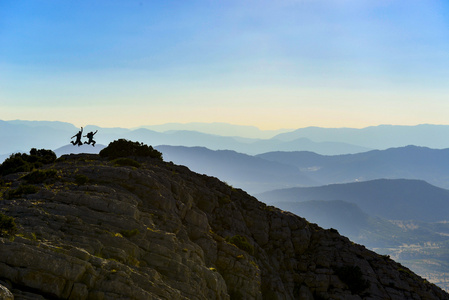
90	228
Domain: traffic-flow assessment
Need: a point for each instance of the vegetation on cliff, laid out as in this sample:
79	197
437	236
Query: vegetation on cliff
22	162
125	148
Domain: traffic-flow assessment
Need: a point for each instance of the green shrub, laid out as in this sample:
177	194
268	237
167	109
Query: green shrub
125	148
81	179
125	161
42	155
224	200
39	176
15	163
7	225
130	233
353	277
22	162
405	271
242	243
25	189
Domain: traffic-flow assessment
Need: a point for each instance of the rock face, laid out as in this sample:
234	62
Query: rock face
160	231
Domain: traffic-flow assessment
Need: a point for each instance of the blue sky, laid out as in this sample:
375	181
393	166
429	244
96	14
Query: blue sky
272	64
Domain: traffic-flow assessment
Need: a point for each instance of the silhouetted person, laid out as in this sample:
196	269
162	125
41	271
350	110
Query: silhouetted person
78	138
90	136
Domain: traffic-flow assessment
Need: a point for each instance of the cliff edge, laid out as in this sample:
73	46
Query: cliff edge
91	228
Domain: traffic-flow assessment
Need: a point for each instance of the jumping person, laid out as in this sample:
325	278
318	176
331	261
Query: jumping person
90	136
78	138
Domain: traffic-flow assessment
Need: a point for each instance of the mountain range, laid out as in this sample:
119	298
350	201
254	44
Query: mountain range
377	137
410	162
22	135
19	136
398	199
275	170
217	128
311	168
253	174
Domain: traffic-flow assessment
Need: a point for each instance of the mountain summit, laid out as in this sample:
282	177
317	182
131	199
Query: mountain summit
91	227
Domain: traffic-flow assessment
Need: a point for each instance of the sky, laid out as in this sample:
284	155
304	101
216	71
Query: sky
270	64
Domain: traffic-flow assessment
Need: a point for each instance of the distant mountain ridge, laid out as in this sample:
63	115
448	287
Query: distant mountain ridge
243	171
377	137
372	137
23	135
302	168
397	199
410	162
218	128
70	149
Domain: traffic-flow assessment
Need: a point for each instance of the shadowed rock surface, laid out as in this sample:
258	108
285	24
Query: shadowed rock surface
97	230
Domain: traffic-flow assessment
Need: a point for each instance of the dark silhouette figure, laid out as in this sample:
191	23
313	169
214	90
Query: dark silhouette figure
90	136
78	138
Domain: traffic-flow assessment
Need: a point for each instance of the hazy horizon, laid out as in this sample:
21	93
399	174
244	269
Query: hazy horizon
282	64
162	125
22	135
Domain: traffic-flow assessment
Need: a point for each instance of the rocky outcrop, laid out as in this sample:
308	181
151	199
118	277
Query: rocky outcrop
101	231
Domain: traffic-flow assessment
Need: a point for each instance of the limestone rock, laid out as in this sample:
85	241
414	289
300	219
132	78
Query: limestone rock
162	232
5	294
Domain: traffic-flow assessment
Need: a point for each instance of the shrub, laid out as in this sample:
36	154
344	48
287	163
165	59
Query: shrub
81	179
21	190
405	271
124	161
15	163
353	277
43	155
224	200
7	225
125	148
130	233
22	162
242	243
39	176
